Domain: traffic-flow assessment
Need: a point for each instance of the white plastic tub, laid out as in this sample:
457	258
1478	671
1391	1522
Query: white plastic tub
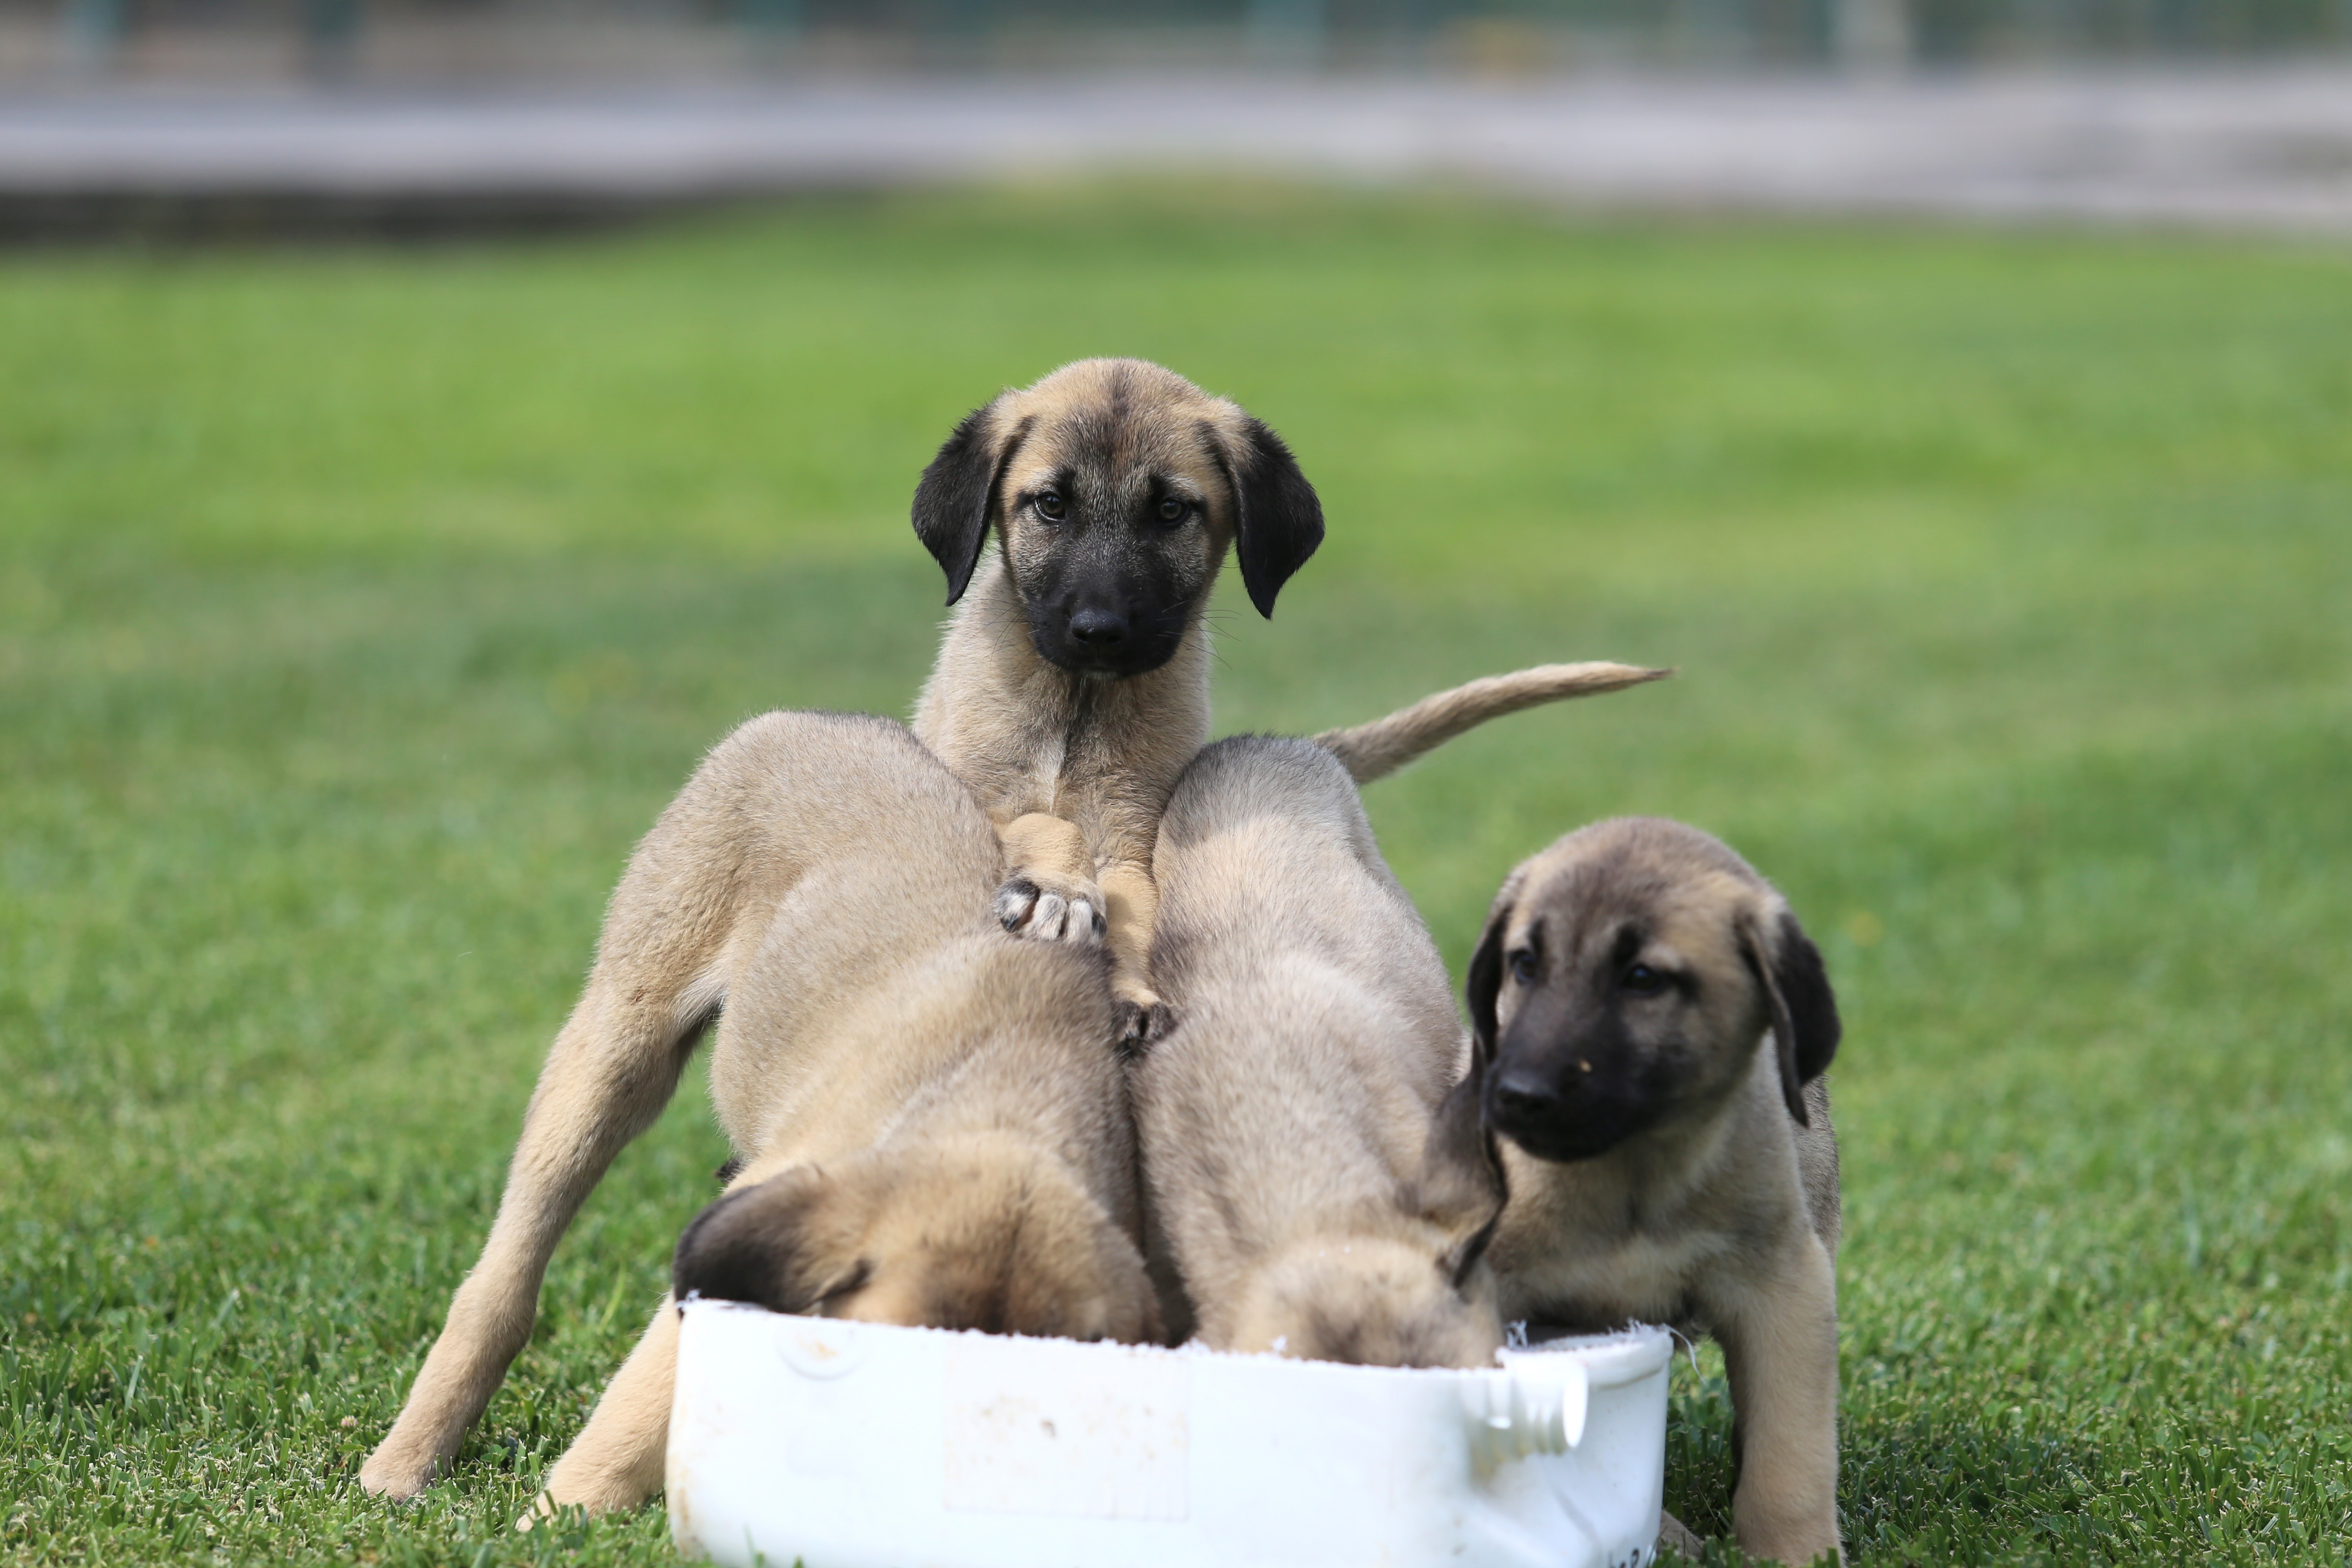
847	1445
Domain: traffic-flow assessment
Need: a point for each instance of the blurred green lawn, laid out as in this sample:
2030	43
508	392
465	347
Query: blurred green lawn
358	609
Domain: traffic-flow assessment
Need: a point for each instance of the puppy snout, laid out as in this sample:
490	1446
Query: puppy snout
1574	1100
1522	1101
1099	628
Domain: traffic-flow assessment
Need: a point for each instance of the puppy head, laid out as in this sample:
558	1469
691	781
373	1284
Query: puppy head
1625	980
1115	487
1404	1285
1365	1299
976	1234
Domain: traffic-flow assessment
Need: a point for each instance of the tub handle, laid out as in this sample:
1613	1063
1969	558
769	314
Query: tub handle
1528	1408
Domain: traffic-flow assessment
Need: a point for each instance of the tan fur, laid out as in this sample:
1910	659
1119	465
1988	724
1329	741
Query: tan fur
1310	1200
1377	748
1034	738
781	882
1723	1214
933	1097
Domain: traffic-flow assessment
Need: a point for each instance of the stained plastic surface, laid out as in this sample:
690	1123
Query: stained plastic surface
849	1445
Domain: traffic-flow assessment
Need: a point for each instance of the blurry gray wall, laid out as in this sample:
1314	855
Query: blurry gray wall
411	40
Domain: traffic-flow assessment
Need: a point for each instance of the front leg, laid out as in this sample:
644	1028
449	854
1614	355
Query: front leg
1780	1348
1050	893
1134	901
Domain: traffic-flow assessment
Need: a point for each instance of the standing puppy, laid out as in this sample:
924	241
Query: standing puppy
1314	1199
1072	685
934	1131
1652	1026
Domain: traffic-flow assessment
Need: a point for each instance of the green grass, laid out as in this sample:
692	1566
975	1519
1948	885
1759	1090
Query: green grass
358	609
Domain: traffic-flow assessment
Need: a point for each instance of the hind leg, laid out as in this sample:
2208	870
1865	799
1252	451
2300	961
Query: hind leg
760	810
616	1460
784	792
607	1078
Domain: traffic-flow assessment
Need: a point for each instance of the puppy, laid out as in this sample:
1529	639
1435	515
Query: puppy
785	798
1651	1025
1312	1197
1072	683
934	1131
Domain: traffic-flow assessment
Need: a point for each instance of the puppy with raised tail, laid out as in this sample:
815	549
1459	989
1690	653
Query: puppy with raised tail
1073	684
1652	1025
1318	1192
934	1128
723	915
1070	691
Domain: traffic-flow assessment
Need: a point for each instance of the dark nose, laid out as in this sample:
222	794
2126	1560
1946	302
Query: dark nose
1099	628
1523	1099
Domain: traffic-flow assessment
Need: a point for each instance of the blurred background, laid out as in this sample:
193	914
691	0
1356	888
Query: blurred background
550	39
427	115
426	426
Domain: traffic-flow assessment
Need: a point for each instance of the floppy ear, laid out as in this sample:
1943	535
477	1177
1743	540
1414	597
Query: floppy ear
780	1244
1485	977
1462	1116
957	496
1277	517
1805	1027
1462	1188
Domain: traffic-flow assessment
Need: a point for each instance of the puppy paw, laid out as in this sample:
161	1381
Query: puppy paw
1071	912
1675	1536
398	1473
1142	1021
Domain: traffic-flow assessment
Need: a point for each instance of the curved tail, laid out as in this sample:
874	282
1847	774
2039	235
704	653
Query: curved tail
1377	748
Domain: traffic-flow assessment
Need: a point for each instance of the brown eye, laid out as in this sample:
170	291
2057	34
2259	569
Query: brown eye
1173	511
1049	505
1643	981
1523	967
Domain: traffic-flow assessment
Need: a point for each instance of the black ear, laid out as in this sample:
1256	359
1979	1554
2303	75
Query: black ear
1462	1188
1803	982
1485	977
1277	517
761	1243
957	496
1805	1027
